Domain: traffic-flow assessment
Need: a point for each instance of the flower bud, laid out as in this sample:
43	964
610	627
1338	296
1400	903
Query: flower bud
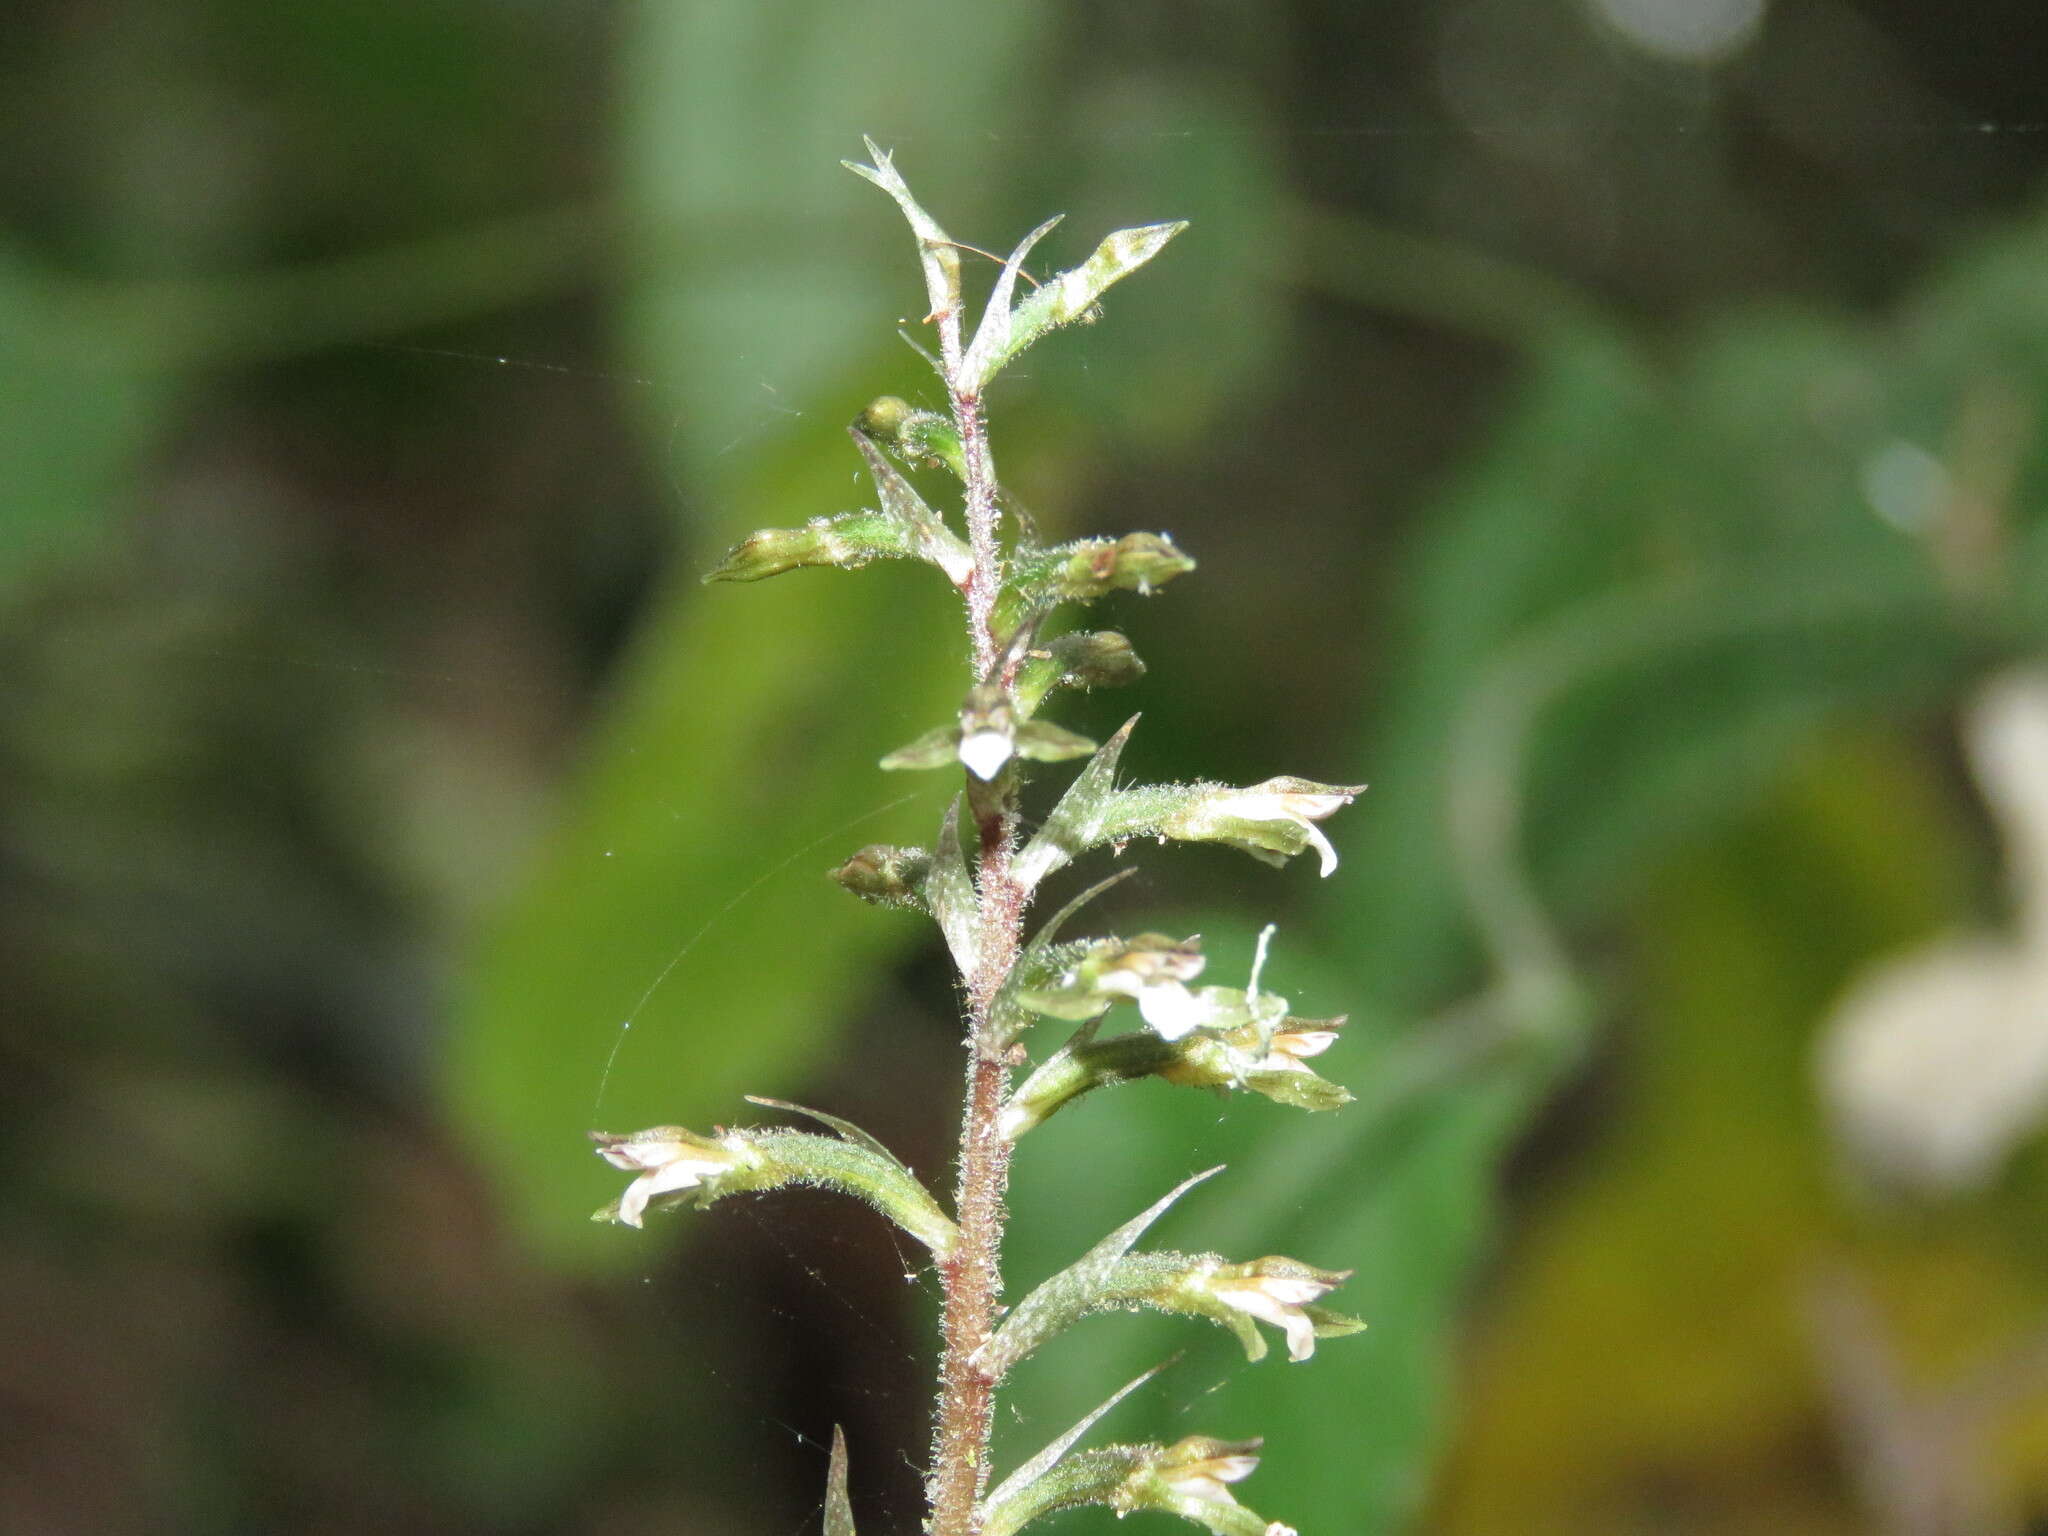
848	541
925	439
1039	578
1096	658
1137	562
1099	658
882	417
887	876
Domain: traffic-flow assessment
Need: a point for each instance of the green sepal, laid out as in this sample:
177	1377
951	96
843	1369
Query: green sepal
938	747
1075	822
1071	296
1334	1325
1050	1000
887	876
1040	579
1044	742
838	1504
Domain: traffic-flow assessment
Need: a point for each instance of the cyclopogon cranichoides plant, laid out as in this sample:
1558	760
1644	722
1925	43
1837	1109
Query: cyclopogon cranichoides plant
977	881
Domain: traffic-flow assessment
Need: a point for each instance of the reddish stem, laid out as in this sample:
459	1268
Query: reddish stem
973	1276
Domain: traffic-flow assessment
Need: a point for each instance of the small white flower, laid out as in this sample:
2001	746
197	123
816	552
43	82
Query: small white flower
667	1158
1153	971
1275	1290
1271	820
1199	1468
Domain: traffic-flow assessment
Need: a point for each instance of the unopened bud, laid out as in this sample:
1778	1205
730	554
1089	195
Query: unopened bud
1137	562
920	438
848	540
1095	658
887	876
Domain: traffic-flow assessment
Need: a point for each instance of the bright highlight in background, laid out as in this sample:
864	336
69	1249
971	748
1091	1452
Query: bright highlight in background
1685	31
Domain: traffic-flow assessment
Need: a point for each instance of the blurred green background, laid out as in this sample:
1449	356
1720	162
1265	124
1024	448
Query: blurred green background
1613	428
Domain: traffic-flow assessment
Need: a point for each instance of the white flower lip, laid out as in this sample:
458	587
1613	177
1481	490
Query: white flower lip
983	753
1171	1009
1230	815
1290	1049
666	1159
1206	1478
1303	810
1275	1292
1154	974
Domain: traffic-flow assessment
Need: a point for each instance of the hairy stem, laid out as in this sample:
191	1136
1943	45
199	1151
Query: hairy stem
986	580
973	1276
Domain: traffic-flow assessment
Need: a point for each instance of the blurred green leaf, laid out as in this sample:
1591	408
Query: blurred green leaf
80	410
686	889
